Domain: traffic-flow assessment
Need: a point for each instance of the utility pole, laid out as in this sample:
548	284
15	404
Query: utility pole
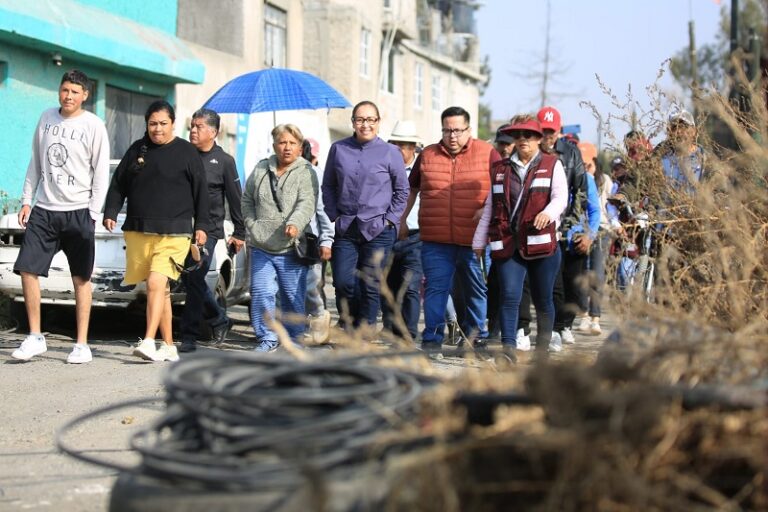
694	67
545	73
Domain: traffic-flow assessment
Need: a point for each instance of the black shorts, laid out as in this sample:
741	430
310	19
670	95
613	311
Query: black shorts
48	232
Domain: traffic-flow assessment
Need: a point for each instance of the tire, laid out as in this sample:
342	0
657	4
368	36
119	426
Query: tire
140	493
18	314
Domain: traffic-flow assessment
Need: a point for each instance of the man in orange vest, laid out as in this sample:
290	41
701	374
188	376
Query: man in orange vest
453	179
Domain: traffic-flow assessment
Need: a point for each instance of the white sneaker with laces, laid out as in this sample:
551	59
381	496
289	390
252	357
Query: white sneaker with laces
146	350
81	353
167	353
522	341
584	324
594	327
33	345
567	336
556	343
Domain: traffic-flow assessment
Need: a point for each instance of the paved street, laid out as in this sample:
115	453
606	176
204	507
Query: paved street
41	395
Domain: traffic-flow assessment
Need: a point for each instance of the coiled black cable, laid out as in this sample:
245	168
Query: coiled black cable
247	421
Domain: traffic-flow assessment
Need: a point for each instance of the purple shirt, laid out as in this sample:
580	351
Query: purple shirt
366	182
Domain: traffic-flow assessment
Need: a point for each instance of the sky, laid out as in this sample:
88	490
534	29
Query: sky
625	42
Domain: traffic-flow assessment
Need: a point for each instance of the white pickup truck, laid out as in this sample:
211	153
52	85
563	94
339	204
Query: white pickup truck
228	276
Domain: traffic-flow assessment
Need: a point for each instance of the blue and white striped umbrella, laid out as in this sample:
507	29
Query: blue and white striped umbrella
274	89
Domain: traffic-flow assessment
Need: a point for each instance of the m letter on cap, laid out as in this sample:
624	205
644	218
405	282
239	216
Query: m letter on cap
549	116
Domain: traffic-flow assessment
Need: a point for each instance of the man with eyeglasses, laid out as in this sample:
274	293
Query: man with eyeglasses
453	181
223	184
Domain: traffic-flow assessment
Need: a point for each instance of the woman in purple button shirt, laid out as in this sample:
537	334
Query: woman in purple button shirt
365	189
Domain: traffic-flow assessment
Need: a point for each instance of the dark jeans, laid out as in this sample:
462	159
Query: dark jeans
570	291
404	278
200	303
597	258
541	272
524	322
358	262
494	302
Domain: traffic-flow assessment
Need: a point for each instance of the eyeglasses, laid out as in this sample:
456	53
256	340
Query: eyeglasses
522	134
448	132
195	264
365	120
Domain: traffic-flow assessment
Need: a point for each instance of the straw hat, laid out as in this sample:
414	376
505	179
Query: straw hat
405	131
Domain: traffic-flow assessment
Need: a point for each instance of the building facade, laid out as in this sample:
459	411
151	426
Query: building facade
412	57
131	58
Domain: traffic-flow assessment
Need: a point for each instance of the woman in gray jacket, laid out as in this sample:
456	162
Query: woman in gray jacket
278	202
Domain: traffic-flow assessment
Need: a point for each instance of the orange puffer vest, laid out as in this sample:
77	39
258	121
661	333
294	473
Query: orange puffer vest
452	190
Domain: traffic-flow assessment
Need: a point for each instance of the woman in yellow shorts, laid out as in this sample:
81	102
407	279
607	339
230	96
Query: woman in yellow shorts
163	179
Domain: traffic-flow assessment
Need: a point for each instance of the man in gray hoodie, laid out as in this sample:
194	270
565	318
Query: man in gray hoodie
68	175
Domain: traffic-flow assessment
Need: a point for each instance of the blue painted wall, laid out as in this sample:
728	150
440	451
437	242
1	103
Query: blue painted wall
29	83
154	13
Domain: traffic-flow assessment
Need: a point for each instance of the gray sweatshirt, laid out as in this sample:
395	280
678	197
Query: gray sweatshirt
297	191
69	168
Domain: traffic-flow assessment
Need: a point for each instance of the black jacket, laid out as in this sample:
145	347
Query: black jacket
223	183
165	189
575	174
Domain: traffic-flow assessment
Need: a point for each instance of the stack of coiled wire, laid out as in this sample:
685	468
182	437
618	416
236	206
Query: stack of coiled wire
256	422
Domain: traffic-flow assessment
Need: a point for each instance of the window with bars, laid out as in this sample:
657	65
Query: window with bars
365	52
436	93
275	36
418	86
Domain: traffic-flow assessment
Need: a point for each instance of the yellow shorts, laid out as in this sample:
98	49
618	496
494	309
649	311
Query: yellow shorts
145	253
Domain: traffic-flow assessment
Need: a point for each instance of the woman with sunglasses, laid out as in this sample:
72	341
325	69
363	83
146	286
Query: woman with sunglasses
163	179
520	220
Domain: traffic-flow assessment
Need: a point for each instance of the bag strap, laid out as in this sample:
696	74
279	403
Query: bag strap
273	187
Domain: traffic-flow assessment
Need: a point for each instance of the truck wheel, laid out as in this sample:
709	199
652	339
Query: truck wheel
18	313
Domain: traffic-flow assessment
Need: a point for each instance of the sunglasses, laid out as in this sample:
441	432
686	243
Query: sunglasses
196	264
523	134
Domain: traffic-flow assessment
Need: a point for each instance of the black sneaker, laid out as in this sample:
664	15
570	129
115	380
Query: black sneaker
433	349
507	356
480	345
220	333
188	346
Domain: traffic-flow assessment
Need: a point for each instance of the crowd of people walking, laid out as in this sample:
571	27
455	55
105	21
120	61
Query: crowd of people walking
468	231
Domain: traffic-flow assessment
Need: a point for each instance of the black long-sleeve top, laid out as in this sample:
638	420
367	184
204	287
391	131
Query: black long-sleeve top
223	183
167	194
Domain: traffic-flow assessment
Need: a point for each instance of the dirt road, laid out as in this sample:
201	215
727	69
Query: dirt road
41	395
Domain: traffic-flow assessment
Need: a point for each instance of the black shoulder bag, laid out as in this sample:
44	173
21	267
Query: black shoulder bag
306	245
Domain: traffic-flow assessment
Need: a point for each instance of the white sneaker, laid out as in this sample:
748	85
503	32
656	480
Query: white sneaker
146	350
167	353
584	324
594	326
567	336
81	353
33	345
320	327
556	343
522	341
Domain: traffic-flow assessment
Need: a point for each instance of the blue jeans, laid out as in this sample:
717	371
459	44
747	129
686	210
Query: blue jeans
200	302
357	264
440	263
541	274
405	272
315	303
273	274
